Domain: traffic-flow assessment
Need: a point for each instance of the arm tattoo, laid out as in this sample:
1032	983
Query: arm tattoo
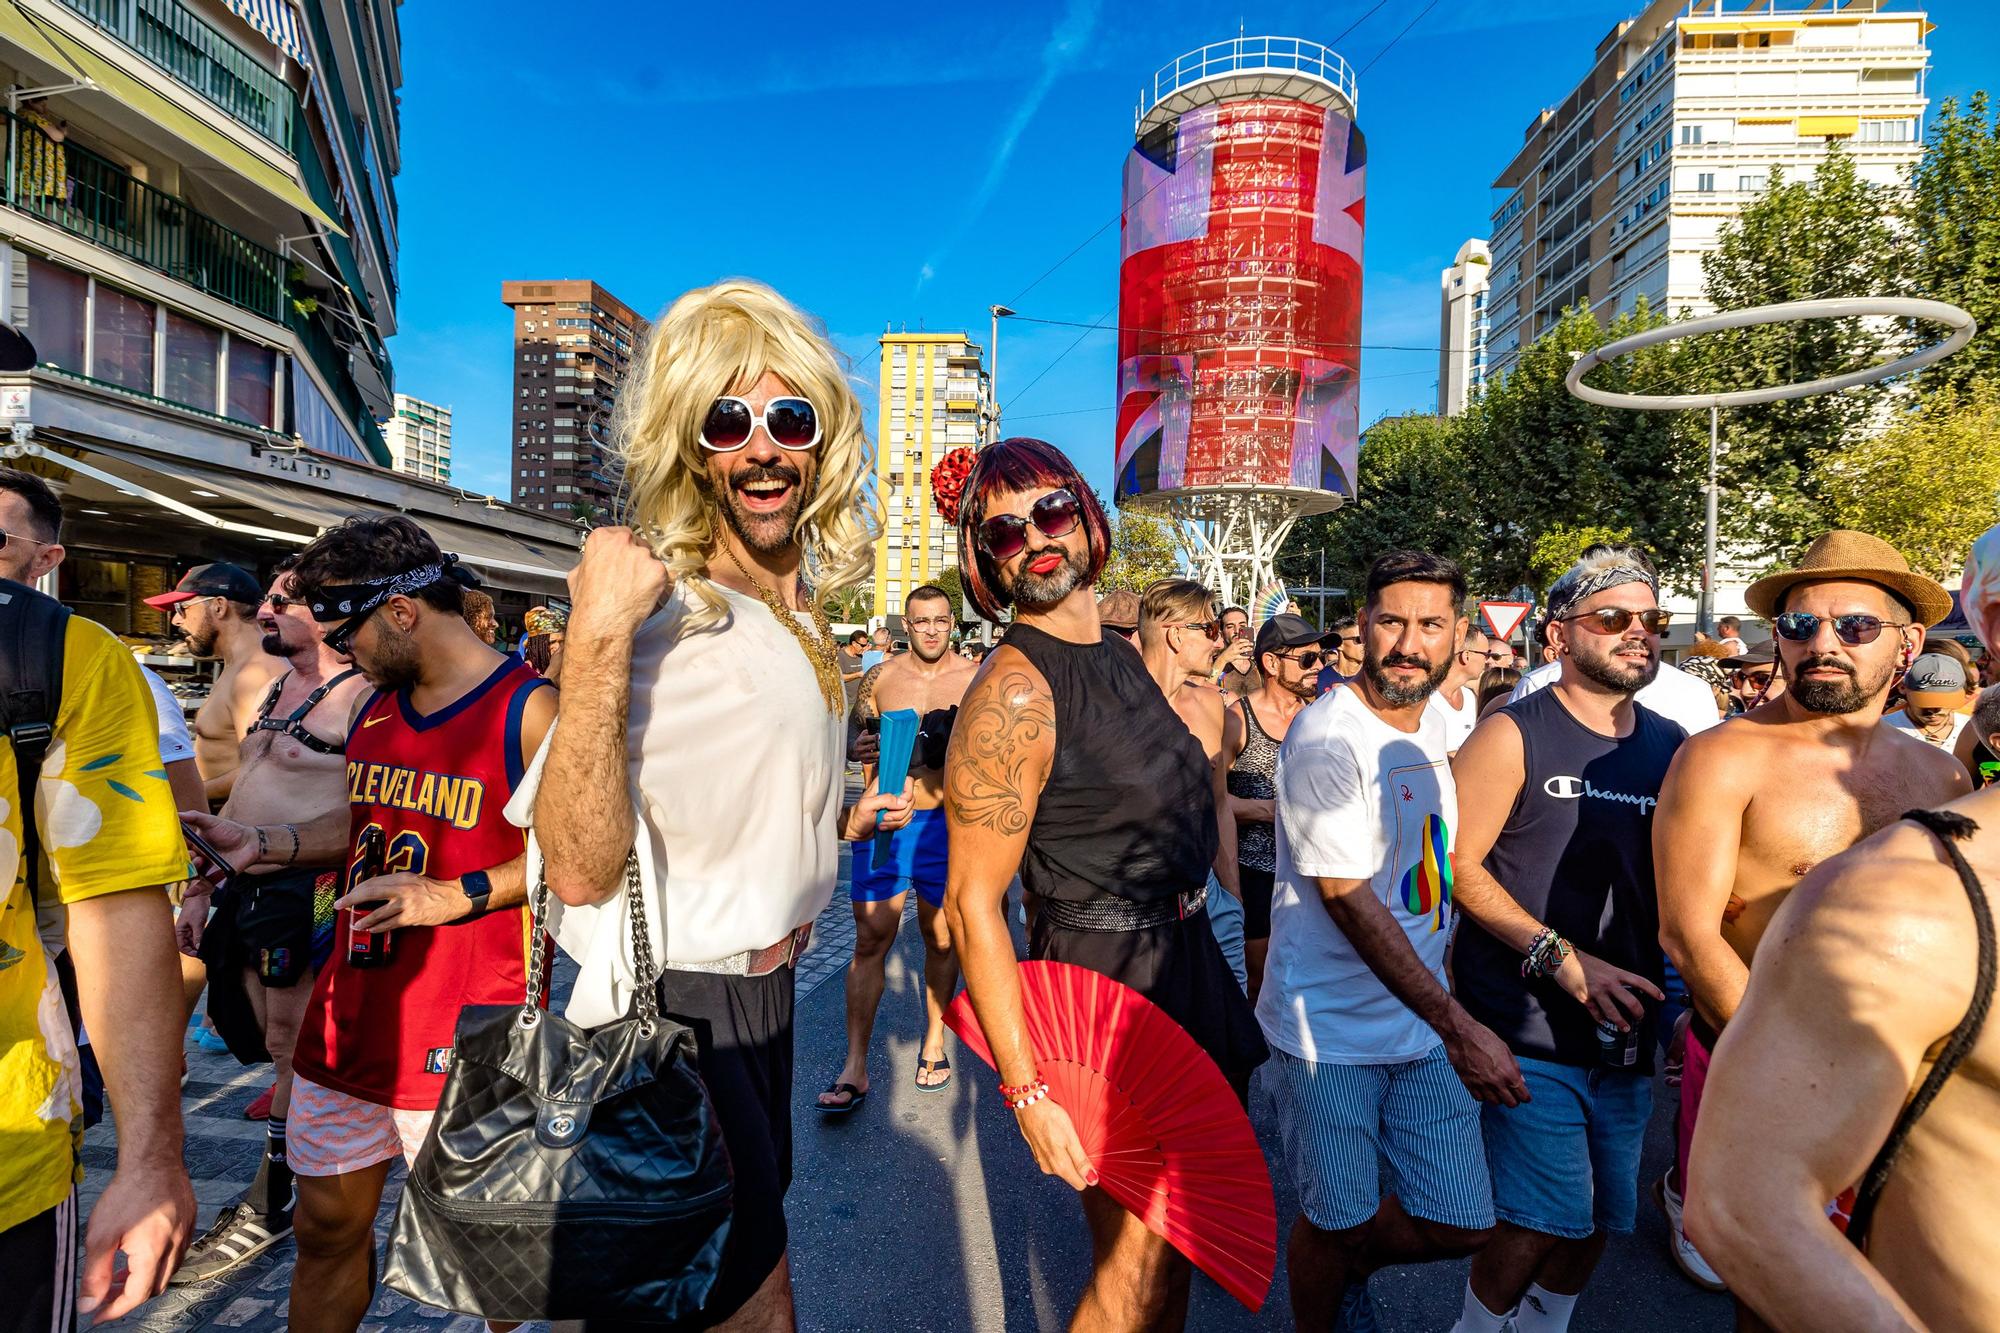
997	762
864	694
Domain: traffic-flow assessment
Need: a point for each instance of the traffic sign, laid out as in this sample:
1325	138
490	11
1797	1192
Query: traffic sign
1503	618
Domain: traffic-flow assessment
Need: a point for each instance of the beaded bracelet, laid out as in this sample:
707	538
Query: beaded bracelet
1008	1092
1034	1094
1545	955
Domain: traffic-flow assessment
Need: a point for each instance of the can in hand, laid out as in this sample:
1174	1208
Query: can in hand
1617	1048
368	948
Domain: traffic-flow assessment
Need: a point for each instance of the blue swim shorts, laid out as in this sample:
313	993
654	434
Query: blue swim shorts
917	855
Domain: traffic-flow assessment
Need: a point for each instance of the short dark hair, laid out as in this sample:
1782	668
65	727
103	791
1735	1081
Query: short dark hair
924	592
45	512
1232	610
1413	567
364	549
1343	622
859	636
1729	622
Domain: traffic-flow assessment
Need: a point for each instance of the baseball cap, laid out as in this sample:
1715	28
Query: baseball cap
1285	631
1935	681
220	579
1119	609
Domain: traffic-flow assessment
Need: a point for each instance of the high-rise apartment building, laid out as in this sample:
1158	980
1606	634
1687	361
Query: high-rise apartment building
573	345
419	437
1620	190
936	395
1463	328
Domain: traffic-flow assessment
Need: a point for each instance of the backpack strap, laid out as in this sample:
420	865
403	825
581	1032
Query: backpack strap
33	629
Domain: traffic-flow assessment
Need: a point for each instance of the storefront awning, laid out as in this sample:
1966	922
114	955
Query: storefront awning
70	59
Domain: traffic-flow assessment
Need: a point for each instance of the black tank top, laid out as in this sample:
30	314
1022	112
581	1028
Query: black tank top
1577	854
1128	811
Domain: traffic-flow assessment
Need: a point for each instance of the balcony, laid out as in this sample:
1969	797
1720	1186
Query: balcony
201	59
334	367
72	188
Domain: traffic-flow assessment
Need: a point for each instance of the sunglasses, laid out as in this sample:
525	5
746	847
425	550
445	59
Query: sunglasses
1309	659
280	603
6	536
1758	679
1212	628
790	422
1055	515
1853	630
341	637
1616	619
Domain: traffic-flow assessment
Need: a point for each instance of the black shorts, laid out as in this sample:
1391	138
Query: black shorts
743	1047
278	926
1257	885
38	1272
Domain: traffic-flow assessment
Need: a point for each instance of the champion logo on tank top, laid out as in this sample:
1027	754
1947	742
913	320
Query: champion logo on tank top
1566	788
1426	886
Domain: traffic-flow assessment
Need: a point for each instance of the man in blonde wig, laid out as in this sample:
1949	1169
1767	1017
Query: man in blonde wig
702	718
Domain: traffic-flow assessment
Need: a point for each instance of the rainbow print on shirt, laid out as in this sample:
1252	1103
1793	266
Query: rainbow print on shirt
1426	886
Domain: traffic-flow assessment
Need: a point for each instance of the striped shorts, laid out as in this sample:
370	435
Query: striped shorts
1340	1121
329	1133
38	1272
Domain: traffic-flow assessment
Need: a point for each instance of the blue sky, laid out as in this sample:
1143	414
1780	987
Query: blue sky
879	172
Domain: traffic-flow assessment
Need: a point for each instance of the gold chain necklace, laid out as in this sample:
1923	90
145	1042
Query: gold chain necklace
818	647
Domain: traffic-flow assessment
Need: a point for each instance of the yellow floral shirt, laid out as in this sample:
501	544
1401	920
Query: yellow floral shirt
108	824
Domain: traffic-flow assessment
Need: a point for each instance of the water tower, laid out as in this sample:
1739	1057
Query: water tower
1239	301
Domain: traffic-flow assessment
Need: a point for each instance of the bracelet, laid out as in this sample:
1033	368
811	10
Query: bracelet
1545	955
293	859
1035	1093
1009	1091
263	845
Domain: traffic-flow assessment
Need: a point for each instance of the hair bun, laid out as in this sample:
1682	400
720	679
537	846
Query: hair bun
948	480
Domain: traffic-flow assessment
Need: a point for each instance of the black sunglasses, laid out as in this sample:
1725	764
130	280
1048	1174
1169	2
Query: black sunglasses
1852	630
1616	619
1054	515
341	637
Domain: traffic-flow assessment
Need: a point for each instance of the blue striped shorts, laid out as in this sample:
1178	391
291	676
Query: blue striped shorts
1340	1121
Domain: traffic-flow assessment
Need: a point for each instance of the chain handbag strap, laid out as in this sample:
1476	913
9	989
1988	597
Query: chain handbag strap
645	972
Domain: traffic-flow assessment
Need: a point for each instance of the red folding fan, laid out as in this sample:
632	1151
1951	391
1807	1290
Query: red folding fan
1166	1134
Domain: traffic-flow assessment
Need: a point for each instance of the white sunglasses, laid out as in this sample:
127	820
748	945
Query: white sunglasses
792	423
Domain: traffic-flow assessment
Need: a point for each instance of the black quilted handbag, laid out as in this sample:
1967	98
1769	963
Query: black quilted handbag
570	1173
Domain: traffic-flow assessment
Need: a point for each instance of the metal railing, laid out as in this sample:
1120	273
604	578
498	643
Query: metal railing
1250	55
331	358
199	56
88	196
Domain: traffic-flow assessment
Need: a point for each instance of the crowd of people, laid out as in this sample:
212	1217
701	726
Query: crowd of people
1452	911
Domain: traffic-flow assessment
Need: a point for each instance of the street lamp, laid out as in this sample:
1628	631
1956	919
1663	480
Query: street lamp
993	373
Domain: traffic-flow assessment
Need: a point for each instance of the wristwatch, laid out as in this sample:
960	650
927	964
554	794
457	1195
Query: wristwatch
477	889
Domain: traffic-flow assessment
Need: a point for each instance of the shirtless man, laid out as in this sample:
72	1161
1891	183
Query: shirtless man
1185	645
216	606
1750	807
1867	974
929	680
275	920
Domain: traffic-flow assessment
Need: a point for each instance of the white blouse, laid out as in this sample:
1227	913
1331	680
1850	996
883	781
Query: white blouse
737	774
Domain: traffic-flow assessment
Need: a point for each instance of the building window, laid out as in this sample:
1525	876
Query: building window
1705	182
191	357
58	307
122	340
253	379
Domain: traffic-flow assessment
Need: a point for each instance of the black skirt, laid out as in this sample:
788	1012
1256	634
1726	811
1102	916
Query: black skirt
1178	966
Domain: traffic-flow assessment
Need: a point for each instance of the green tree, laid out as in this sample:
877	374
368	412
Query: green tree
1144	550
1829	236
1560	547
851	605
1954	216
1411	493
953	582
1929	484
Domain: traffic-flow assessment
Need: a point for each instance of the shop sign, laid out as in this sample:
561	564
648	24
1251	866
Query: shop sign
14	401
297	465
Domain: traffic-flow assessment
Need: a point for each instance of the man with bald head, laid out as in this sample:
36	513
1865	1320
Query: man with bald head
1861	1052
1749	809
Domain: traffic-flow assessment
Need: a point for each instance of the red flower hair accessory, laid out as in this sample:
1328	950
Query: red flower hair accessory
948	480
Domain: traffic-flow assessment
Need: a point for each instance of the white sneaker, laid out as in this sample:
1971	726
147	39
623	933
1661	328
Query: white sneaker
1685	1254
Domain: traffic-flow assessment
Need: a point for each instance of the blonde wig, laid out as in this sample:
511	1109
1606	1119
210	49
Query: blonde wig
721	340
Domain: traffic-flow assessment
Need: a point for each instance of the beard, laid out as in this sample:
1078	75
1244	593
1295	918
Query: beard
1397	693
395	663
765	533
1306	686
1627	675
1836	697
203	640
917	651
1038	590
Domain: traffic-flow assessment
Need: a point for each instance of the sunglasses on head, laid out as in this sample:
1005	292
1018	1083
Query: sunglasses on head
1852	630
1055	515
1616	619
792	423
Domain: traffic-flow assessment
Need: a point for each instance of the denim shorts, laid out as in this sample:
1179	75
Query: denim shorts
1566	1162
1340	1121
1225	918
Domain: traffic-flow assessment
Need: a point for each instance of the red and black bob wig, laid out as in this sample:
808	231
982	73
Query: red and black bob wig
1019	464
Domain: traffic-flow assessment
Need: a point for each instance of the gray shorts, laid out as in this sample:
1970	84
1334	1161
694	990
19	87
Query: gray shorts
1339	1121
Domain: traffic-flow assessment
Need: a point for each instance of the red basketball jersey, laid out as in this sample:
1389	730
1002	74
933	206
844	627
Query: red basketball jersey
437	787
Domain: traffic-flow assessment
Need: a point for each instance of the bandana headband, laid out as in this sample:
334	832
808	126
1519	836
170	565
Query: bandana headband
1574	586
344	601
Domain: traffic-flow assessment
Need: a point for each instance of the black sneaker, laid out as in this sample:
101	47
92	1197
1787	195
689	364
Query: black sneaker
240	1234
1357	1310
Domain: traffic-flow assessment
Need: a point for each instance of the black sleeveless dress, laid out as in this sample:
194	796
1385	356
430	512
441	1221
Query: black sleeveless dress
1128	813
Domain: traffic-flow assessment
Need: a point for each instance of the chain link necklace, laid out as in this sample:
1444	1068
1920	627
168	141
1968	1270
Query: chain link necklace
817	646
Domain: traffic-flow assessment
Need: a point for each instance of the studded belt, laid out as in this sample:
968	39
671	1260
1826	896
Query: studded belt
753	962
1113	914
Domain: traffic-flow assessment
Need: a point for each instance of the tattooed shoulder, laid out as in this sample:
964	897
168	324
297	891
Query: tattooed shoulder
1001	750
864	694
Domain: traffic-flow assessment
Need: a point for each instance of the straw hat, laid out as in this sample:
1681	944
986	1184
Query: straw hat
1841	554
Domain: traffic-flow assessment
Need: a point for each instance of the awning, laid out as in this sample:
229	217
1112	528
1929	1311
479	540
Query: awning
276	20
487	549
69	58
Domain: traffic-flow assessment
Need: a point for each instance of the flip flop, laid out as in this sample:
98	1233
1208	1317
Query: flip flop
941	1064
855	1096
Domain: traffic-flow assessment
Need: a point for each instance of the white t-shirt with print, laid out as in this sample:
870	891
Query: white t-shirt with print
1357	799
1458	720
